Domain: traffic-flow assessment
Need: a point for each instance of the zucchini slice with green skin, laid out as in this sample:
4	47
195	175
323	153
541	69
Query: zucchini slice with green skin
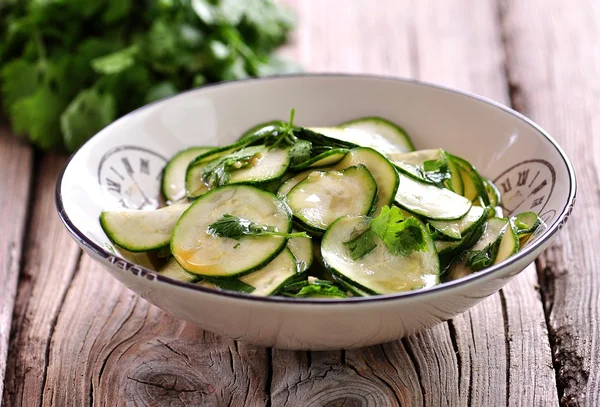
202	253
472	181
430	201
381	128
455	183
494	231
287	186
266	165
412	163
509	244
381	169
492	192
140	230
324	196
379	271
173	270
194	184
302	249
173	180
271	165
324	159
457	229
254	129
360	138
449	250
525	224
268	279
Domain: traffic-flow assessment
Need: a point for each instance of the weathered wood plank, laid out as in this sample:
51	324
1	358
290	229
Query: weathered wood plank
484	356
123	351
15	180
50	259
81	338
553	65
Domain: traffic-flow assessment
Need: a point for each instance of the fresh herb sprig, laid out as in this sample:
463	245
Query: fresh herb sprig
68	68
402	236
235	228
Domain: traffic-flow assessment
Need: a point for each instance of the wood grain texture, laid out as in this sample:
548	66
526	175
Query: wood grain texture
553	65
15	179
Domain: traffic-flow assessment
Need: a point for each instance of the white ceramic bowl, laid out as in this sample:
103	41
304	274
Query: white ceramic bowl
525	162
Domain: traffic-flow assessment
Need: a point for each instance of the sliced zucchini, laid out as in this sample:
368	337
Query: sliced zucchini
378	127
267	126
324	196
412	163
509	244
455	183
430	201
202	253
268	279
302	249
493	232
141	230
472	181
287	186
492	192
270	165
457	229
361	138
231	284
381	169
324	159
194	184
173	180
526	223
378	272
173	270
449	250
259	164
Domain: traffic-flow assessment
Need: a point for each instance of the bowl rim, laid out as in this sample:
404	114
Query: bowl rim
128	265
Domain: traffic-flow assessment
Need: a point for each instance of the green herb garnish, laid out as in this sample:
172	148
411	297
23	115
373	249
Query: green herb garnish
312	287
402	236
479	259
436	171
235	228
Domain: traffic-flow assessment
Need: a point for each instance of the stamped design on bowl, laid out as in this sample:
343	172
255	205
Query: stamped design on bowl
528	186
131	175
128	266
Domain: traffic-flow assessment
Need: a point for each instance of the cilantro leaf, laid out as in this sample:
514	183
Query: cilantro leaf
401	236
312	287
116	62
300	152
361	245
87	114
436	171
235	228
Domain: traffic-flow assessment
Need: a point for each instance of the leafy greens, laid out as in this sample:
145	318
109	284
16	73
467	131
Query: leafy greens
402	236
68	68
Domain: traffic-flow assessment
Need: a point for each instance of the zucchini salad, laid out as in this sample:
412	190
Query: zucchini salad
329	212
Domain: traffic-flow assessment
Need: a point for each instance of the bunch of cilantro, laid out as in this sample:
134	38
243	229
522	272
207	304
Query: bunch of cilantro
70	67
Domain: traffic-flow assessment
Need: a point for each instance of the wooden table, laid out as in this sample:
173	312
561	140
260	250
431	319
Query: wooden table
71	335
